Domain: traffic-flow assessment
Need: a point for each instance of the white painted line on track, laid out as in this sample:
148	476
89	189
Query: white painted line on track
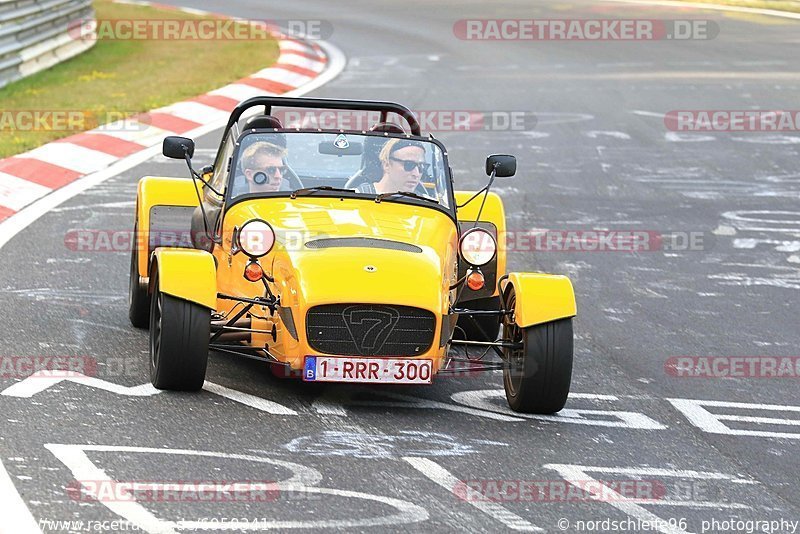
17	519
303	480
445	479
258	403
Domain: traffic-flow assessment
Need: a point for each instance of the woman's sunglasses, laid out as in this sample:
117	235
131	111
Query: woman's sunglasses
409	165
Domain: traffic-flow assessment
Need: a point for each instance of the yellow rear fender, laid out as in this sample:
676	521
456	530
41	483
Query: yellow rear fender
187	274
541	298
164	208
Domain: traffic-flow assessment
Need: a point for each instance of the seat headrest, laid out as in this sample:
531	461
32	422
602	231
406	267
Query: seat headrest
261	121
388	127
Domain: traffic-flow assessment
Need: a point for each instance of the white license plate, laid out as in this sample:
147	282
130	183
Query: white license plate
367	370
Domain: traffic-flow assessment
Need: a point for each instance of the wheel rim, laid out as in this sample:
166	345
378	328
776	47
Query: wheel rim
155	333
515	357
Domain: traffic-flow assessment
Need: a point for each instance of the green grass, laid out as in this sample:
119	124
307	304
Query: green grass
129	76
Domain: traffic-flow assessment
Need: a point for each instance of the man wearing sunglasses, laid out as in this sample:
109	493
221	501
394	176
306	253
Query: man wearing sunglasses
403	163
263	167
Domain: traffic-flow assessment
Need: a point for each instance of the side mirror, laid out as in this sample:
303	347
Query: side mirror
504	165
177	147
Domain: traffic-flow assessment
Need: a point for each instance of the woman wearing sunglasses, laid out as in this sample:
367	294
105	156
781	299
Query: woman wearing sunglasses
403	163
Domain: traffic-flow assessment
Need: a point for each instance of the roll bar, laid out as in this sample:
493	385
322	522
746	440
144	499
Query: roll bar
325	103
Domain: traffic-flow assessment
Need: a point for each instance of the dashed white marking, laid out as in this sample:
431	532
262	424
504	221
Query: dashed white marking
596	134
258	403
648	114
684	137
761	139
443	478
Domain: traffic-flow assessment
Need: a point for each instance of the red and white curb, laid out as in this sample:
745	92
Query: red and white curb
26	178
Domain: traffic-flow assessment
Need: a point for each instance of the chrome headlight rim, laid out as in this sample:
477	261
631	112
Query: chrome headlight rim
469	256
266	229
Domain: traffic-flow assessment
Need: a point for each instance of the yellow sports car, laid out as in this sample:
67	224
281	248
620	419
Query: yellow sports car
341	256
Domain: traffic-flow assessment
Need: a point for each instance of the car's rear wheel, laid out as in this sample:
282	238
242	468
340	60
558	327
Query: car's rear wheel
138	299
179	336
537	375
479	327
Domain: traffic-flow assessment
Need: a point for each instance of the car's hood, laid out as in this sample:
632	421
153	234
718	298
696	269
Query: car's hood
332	250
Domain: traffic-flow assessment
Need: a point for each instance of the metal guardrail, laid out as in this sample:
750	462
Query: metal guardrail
37	34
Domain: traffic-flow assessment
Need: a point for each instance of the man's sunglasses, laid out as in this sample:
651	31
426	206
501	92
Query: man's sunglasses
261	177
409	165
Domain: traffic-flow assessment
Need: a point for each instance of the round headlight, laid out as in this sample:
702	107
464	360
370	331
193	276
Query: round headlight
256	238
477	246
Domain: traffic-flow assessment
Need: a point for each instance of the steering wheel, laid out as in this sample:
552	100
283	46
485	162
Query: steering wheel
357	179
292	179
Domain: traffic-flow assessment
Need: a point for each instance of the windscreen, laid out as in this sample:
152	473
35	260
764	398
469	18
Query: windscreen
281	162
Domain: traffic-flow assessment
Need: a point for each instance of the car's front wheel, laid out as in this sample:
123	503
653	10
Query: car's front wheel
538	373
179	336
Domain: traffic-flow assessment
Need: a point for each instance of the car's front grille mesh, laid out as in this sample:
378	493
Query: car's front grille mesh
370	330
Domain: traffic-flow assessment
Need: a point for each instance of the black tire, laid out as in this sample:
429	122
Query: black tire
138	298
479	328
179	334
537	376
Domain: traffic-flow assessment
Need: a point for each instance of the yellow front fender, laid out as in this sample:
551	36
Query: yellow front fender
160	191
187	274
541	298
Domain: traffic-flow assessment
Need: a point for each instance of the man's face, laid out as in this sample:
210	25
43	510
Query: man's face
398	178
271	166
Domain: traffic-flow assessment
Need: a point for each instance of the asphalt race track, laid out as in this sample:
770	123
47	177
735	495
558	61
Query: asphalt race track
365	458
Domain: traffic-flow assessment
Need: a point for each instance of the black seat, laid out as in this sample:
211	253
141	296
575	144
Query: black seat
371	168
387	127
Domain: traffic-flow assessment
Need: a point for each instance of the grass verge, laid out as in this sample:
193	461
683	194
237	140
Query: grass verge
119	77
